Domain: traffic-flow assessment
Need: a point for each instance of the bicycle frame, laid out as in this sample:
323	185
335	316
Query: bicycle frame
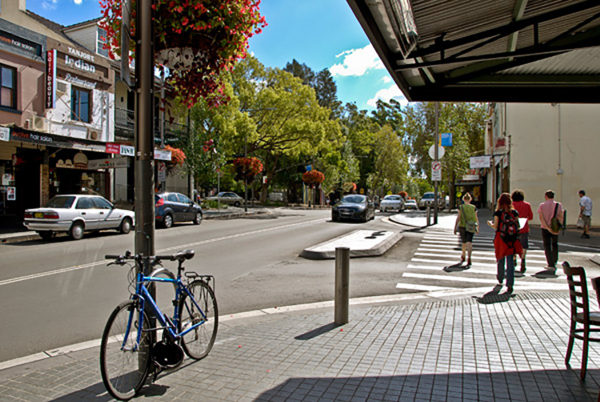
142	294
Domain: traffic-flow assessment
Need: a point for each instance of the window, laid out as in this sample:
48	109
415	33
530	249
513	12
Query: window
8	91
101	203
101	40
184	199
80	104
84	203
172	197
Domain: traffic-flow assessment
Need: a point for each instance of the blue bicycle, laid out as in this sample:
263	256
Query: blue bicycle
139	338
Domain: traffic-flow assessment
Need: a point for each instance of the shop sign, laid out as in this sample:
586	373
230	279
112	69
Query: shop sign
470	177
11	193
50	78
20	43
127	150
109	163
79	81
162	155
6	179
478	162
4	134
55	141
112	148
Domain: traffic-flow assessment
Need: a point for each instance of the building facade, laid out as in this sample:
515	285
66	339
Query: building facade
536	147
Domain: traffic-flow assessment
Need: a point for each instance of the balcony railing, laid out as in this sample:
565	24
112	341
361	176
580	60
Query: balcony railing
125	126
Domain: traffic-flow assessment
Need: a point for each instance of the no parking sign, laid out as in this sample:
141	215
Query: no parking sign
436	171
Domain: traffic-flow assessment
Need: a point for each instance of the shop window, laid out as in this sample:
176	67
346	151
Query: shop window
8	91
80	104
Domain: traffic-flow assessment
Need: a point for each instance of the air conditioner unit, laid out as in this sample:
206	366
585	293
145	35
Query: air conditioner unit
27	124
40	123
93	134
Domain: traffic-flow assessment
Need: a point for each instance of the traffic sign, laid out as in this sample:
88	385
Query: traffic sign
432	152
436	171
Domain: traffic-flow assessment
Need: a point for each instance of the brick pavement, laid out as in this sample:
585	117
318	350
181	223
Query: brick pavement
441	350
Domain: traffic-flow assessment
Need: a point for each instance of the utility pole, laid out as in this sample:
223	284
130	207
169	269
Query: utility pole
144	133
436	153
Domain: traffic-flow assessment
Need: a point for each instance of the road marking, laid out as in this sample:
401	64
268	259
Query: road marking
161	251
426	288
447	278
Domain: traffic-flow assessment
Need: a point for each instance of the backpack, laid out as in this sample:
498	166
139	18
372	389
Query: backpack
508	227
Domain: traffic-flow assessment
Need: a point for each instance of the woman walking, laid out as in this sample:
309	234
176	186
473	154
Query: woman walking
467	224
506	242
525	211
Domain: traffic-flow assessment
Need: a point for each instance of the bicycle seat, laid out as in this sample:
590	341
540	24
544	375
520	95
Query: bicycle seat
184	255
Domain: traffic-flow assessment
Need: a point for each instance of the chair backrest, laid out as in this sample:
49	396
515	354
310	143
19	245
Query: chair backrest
578	290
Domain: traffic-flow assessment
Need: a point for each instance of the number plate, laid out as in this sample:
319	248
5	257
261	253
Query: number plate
38	215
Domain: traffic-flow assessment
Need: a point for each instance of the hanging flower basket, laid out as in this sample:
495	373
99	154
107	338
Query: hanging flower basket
247	168
177	157
313	177
195	39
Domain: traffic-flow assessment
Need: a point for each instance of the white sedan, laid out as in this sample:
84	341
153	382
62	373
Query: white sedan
392	202
75	214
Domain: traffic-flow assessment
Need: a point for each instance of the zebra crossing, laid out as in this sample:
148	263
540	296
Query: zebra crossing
441	247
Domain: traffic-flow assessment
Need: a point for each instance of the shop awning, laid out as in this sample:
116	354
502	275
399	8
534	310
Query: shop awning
487	50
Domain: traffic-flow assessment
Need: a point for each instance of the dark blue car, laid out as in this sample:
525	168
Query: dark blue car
171	208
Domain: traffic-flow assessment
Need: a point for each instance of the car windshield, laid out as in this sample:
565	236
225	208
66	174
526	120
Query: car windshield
428	195
354	199
391	197
61	201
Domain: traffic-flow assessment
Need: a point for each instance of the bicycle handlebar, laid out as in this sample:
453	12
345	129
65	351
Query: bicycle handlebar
179	256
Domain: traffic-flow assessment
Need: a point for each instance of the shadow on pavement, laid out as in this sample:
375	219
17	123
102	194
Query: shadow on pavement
317	331
562	385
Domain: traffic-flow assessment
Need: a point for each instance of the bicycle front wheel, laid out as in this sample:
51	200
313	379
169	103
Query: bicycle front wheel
199	341
124	363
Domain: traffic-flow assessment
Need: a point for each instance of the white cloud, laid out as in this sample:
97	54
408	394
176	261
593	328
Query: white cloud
386	79
49	4
386	94
357	62
78	2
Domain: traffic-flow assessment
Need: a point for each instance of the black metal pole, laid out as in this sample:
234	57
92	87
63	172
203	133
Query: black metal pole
144	132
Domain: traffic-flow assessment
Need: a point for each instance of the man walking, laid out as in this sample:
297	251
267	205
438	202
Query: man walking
585	213
547	210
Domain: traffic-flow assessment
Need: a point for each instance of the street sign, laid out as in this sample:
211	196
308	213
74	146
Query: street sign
436	171
477	162
432	152
162	171
446	139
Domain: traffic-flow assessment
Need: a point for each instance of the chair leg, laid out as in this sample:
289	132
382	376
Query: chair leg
586	336
570	345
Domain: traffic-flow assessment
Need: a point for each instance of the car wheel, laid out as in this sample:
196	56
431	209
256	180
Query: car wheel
46	234
125	226
168	221
76	231
198	218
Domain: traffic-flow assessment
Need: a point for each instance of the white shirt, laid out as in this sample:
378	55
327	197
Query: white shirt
586	203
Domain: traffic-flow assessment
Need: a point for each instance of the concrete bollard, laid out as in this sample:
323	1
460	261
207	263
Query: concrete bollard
342	283
428	215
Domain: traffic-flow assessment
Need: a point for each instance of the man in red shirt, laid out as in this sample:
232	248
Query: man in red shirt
525	212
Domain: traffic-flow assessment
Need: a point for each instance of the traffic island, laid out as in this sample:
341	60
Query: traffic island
362	243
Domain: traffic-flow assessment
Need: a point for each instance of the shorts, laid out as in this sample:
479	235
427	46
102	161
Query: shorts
524	239
587	220
465	237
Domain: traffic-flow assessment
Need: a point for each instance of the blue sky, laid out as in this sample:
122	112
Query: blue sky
320	33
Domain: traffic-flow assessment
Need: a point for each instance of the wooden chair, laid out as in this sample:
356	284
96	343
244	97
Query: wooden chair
580	314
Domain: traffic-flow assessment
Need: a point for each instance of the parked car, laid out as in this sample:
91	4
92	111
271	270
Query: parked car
411	204
392	202
428	199
355	207
76	214
227	197
174	207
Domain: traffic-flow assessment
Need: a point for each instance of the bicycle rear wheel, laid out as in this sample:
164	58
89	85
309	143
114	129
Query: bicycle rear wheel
199	341
124	364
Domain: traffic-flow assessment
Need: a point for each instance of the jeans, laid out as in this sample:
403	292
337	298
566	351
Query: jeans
510	270
550	247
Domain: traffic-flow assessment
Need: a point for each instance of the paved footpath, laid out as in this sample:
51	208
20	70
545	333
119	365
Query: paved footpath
470	348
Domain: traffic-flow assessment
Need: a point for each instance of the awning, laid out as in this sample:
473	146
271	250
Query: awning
487	50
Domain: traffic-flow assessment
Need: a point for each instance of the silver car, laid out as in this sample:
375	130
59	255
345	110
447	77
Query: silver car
227	197
392	202
76	214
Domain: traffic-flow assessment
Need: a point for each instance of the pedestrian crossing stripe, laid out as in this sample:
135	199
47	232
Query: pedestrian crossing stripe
414	286
490	257
457	250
